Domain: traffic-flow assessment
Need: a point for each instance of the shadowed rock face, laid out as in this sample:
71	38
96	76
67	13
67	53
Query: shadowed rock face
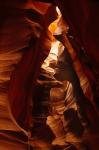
16	31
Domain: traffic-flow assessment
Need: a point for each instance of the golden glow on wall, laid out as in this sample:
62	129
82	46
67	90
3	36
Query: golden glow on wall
52	27
55	46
